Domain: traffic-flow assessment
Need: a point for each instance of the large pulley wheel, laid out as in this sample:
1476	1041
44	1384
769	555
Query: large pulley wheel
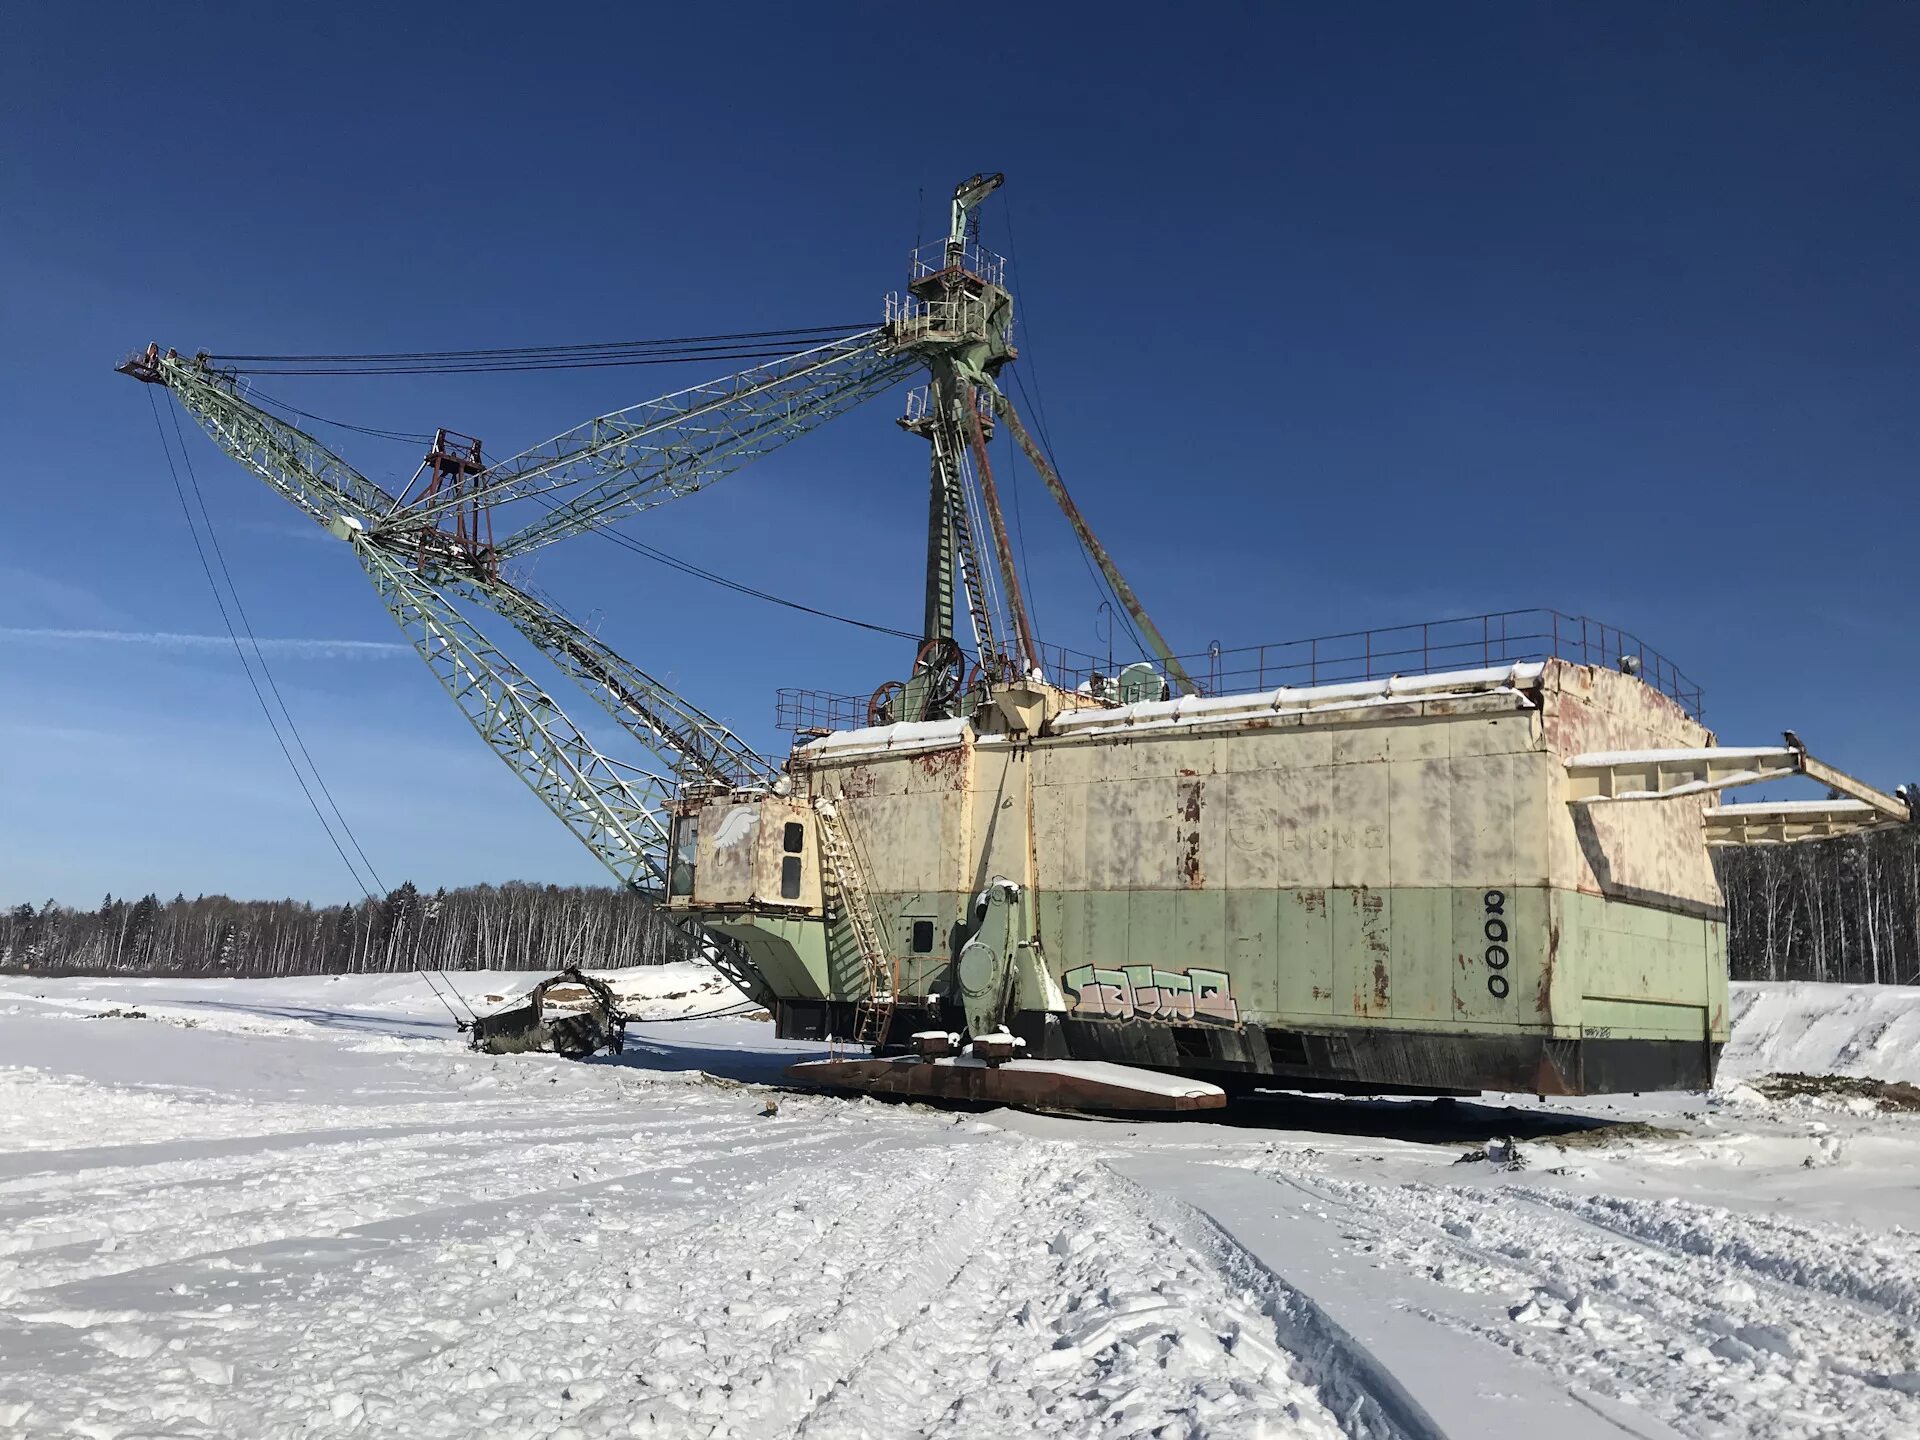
881	708
941	665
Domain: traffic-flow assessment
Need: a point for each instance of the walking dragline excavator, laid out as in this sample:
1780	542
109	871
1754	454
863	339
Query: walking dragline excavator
1444	858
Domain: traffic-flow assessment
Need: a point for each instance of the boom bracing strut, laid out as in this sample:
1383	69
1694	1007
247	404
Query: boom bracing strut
637	701
658	451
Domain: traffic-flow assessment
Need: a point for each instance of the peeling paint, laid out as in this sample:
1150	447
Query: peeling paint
1188	864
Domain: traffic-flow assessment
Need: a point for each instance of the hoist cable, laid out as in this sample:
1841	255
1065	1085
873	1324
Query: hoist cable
517	367
1019	530
266	670
255	393
1036	406
232	634
672	342
1101	585
240	609
687	567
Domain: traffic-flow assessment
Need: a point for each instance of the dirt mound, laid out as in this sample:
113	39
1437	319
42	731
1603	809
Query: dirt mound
1886	1094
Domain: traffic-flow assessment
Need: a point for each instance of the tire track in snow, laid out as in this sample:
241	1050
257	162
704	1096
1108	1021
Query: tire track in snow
875	1271
1043	1318
1793	1258
1684	1332
349	1193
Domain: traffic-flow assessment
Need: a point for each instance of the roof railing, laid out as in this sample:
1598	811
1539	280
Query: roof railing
1471	642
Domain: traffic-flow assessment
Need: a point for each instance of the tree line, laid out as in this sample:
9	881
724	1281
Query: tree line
1846	909
477	927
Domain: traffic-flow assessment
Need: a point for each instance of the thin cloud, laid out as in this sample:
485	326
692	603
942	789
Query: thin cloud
181	644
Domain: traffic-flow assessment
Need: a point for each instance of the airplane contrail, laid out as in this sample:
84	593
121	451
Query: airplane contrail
183	643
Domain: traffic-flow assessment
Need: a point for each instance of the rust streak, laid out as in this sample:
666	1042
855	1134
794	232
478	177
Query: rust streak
1188	864
1543	1002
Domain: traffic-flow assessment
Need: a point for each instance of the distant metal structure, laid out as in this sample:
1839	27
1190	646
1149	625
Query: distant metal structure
1387	859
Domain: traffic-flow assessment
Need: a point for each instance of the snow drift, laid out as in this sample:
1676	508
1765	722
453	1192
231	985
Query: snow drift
1803	1027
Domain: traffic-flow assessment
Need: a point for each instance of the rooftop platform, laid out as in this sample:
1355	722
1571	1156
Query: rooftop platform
1494	641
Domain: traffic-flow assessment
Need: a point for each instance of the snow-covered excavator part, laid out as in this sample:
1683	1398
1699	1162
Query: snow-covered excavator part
571	1014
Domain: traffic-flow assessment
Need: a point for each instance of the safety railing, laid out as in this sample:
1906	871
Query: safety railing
932	259
1472	642
920	407
908	318
804	711
1503	637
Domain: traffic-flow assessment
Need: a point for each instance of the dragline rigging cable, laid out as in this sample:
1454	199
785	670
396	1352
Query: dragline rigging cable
272	685
735	345
738	345
687	567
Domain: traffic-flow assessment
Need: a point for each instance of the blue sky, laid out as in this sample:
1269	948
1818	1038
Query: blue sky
1342	316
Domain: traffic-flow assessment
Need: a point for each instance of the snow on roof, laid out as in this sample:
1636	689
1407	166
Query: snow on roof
1356	694
1754	809
908	737
915	737
1681	757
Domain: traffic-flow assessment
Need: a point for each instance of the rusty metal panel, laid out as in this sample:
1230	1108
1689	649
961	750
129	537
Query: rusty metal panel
1069	942
1156	755
1200	930
1534	778
999	815
1200	821
1059	833
909	842
1280	827
1652	853
1499	931
1070	1087
1107	922
1303	930
1422	954
1362	950
1254	952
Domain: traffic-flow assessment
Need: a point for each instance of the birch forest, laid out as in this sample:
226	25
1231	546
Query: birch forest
479	927
1846	910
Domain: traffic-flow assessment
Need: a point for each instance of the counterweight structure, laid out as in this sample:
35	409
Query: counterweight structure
1489	876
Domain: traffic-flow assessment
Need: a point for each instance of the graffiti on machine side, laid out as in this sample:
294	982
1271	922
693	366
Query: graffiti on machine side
1144	992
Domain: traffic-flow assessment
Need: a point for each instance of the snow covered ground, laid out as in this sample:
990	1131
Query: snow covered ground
302	1208
1808	1029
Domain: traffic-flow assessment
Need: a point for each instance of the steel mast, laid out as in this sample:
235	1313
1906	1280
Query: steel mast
957	317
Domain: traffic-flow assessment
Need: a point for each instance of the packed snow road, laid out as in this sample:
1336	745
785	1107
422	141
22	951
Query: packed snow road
300	1208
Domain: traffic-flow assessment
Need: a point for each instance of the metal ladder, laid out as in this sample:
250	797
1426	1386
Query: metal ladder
873	1014
966	552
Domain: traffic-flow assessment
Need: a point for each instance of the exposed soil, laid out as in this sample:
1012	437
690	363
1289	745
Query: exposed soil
1624	1131
1886	1094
